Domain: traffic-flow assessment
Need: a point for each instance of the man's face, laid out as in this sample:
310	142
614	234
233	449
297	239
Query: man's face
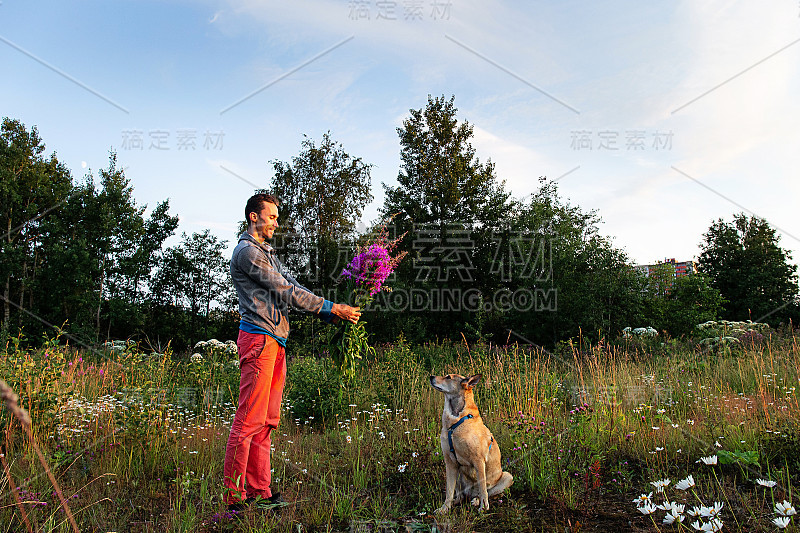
265	222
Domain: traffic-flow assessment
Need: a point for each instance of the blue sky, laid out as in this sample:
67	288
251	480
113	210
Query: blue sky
662	116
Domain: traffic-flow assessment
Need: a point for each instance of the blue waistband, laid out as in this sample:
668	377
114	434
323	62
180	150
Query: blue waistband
252	328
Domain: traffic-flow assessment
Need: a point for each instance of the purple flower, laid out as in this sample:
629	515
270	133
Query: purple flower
370	268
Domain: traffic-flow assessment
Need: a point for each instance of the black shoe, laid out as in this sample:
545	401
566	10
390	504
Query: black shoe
273	503
239	507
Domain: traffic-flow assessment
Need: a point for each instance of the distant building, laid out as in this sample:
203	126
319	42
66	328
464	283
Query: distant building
681	269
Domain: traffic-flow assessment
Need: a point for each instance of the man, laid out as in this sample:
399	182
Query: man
266	291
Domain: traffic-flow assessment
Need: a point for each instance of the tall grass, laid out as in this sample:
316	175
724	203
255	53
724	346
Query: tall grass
136	440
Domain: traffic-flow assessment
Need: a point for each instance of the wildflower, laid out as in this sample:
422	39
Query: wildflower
196	358
672	517
647	508
370	268
349	439
714	525
766	483
685	483
785	508
382	435
402	467
782	521
660	484
643	499
667	505
710	460
712	512
695	511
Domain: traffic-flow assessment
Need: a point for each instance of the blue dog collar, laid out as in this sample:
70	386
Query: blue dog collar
450	433
453	428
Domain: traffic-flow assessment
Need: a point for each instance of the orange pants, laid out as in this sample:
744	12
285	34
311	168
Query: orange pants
262	362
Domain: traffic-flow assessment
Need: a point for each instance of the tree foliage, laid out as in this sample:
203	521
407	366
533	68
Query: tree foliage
692	300
32	186
323	193
194	276
751	271
81	254
84	253
586	286
441	180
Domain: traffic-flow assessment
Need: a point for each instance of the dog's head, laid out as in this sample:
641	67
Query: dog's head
454	384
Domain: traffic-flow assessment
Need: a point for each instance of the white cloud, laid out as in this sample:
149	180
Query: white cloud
518	165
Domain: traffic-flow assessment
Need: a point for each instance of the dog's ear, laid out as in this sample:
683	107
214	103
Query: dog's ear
471	381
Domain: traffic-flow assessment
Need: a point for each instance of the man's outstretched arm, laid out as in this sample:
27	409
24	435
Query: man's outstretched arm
345	312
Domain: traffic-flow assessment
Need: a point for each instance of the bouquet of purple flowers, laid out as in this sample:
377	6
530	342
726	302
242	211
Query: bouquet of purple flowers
365	275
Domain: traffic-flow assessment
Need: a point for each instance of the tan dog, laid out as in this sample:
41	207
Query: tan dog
470	454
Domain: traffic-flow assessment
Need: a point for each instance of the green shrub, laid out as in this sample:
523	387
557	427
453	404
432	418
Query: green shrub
313	391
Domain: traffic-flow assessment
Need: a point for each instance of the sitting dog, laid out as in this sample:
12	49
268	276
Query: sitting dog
470	454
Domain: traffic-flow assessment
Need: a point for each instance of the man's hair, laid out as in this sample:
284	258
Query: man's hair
256	203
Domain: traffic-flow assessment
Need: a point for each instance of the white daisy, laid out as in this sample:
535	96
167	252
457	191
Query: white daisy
785	508
647	508
782	521
712	512
661	484
672	517
685	483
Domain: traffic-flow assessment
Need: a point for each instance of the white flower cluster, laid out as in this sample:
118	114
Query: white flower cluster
707	518
212	347
711	342
723	332
118	347
732	326
785	510
639	332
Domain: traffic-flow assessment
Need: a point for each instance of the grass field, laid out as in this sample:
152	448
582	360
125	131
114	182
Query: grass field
134	441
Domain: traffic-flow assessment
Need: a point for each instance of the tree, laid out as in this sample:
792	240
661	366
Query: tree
32	187
749	269
97	254
582	284
441	180
691	301
450	203
190	278
323	193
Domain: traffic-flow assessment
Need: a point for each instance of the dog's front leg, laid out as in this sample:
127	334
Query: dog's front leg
483	493
450	488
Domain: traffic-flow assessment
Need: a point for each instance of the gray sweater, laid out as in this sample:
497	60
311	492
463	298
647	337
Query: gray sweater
267	291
